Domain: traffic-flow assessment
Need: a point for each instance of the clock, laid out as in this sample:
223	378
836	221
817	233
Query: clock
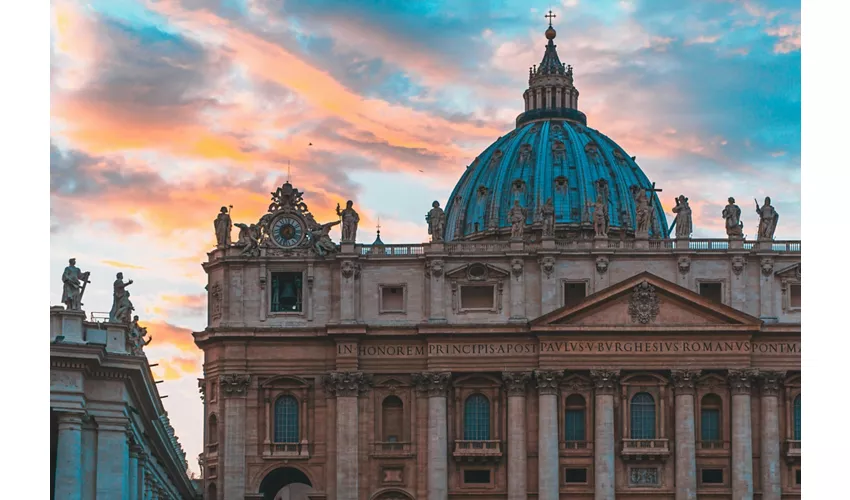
287	231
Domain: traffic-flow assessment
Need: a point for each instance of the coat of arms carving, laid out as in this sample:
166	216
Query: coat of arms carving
644	305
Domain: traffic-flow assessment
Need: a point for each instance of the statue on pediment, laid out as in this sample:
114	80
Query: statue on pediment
350	219
249	239
732	214
436	219
222	226
74	284
768	218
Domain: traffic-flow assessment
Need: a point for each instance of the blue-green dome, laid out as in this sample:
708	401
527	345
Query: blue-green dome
552	153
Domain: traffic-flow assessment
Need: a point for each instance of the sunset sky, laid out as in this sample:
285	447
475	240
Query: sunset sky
163	111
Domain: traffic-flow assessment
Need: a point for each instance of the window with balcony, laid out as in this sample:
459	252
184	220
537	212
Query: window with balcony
642	411
574	419
476	418
286	420
710	411
286	292
392	416
797	418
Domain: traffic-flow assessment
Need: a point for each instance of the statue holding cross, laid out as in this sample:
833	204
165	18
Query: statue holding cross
643	208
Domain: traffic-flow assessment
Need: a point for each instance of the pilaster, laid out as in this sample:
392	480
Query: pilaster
69	470
605	384
740	384
347	388
684	385
437	309
771	484
548	383
436	385
113	458
233	387
516	386
518	313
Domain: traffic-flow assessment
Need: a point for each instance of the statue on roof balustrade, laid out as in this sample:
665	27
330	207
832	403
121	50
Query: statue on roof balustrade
350	218
683	221
222	226
74	284
643	210
732	214
517	216
118	292
600	217
547	217
436	219
768	218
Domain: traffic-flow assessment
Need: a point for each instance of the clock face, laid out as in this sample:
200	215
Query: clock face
287	231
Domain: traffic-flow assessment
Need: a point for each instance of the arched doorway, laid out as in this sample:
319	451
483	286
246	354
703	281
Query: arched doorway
392	494
286	483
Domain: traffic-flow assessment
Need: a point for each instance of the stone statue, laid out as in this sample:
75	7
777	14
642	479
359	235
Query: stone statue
547	217
768	218
73	286
350	219
137	337
320	237
683	221
600	217
732	214
222	226
118	291
436	219
249	239
517	215
643	210
124	310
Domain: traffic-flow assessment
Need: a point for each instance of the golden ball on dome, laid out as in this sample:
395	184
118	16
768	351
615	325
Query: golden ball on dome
550	33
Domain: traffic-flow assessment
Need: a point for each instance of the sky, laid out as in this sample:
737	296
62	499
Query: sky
162	111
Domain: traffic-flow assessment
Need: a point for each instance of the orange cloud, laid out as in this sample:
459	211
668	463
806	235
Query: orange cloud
177	367
121	265
167	334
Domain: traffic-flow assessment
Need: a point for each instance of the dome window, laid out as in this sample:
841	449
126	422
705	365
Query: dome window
619	158
592	150
524	153
561	184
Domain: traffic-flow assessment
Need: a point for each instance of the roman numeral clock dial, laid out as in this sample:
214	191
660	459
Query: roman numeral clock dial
287	231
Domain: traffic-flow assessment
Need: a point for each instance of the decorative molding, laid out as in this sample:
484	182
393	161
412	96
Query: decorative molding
516	383
771	382
766	266
350	269
684	265
741	381
234	384
547	265
602	264
547	382
433	268
605	381
684	381
434	384
644	304
516	267
738	263
347	384
216	301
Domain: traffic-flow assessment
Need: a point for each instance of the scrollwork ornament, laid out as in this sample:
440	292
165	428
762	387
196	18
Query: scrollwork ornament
771	382
350	269
434	268
547	382
605	381
766	266
433	384
684	381
738	263
547	265
644	304
234	384
516	268
516	383
684	265
602	264
741	381
347	384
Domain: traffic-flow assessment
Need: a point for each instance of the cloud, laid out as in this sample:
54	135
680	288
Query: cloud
121	265
177	367
789	38
168	335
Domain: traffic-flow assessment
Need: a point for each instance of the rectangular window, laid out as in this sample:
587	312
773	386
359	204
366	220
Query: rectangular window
213	472
476	296
392	299
712	291
286	292
575	476
795	296
712	476
574	293
797	476
476	476
710	424
574	430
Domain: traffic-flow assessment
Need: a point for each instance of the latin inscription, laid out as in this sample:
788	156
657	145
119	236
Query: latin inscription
569	347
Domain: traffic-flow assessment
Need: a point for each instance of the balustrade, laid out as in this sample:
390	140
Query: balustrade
470	449
392	449
575	448
287	450
645	449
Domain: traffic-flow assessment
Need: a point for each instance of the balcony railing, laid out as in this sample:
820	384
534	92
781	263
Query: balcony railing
642	449
287	450
792	450
475	449
713	445
575	448
392	250
392	449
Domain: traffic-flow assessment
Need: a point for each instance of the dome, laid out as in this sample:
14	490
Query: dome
551	153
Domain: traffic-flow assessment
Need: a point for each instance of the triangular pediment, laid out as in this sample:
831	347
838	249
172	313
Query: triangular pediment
643	302
477	272
793	271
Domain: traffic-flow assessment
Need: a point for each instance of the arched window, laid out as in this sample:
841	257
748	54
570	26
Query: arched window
710	412
212	431
211	492
797	417
643	416
476	418
392	417
286	420
574	419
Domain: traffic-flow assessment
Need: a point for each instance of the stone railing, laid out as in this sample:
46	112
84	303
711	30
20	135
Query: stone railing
392	449
475	247
713	448
792	450
287	450
641	449
575	448
392	250
472	449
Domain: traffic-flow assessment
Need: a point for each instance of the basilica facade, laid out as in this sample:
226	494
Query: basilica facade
554	339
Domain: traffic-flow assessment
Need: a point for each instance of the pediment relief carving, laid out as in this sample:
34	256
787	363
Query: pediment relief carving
285	381
790	272
477	380
477	272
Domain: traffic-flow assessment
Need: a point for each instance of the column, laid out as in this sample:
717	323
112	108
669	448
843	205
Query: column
771	384
740	382
547	437
517	291
134	472
234	390
435	385
605	385
515	385
113	458
347	388
69	447
142	479
684	382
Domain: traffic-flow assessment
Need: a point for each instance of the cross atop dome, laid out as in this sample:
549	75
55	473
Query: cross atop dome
550	16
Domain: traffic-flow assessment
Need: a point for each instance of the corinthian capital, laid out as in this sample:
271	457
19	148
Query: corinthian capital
771	382
434	384
548	381
234	384
347	384
516	383
605	381
684	381
741	381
